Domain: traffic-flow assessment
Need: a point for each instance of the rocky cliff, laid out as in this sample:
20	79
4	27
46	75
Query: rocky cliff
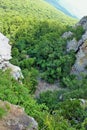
13	117
5	56
79	46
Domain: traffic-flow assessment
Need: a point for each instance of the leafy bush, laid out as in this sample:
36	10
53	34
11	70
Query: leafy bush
16	93
73	111
2	112
30	79
78	32
51	99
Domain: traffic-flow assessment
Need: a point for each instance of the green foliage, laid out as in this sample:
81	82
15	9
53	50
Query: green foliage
78	31
37	9
84	125
73	111
27	63
30	79
70	109
2	112
16	93
41	42
35	30
51	99
56	122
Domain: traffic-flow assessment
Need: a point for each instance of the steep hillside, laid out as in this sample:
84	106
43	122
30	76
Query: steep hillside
44	53
32	26
56	4
34	8
78	43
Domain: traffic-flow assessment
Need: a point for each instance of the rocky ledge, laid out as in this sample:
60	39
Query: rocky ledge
5	56
15	118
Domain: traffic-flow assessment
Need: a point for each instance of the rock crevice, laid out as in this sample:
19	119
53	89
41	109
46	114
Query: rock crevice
80	48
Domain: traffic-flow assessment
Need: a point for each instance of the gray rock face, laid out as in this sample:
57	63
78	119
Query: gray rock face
83	22
67	35
5	48
16	118
80	47
72	45
81	60
15	71
5	56
84	37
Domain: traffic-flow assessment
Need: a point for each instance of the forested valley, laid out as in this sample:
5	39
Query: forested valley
35	30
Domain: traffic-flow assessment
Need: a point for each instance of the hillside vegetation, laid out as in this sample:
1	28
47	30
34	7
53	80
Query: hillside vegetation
35	29
57	5
14	14
32	26
35	8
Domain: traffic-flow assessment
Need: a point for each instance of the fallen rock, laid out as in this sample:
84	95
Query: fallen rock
15	118
5	56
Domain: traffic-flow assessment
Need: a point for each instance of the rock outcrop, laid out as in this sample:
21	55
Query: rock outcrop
72	45
80	65
81	60
15	118
5	56
83	22
67	35
80	48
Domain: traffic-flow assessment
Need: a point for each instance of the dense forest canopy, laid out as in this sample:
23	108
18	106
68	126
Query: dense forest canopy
30	27
35	29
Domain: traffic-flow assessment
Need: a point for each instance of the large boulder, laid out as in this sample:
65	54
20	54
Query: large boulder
14	118
5	56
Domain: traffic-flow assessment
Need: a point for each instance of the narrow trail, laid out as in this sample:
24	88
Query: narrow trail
44	86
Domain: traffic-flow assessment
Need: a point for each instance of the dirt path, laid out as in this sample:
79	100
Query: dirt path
43	86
